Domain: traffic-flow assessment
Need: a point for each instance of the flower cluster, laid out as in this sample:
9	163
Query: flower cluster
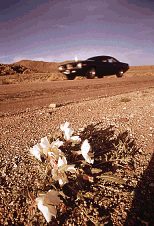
59	167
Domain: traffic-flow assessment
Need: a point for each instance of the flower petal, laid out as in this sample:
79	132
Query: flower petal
36	152
46	204
85	147
52	197
62	161
68	133
76	139
57	143
45	142
66	130
64	126
47	211
88	159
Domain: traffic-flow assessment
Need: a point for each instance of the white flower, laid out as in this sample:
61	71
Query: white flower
66	130
45	145
75	139
41	148
62	165
36	151
53	156
49	150
57	143
47	204
86	152
59	172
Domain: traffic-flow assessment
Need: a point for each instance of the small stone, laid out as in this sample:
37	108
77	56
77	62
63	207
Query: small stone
52	105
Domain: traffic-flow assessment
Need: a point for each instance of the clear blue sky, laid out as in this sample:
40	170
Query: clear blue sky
58	30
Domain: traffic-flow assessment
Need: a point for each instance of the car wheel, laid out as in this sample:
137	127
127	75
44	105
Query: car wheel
91	73
120	74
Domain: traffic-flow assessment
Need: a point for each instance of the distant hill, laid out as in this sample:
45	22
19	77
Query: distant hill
39	66
11	69
29	67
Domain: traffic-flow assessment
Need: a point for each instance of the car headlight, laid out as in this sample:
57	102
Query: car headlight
79	65
60	68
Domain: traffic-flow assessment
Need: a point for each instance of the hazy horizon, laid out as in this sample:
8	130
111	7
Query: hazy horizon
57	31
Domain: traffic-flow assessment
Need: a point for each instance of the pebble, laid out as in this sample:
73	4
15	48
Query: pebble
52	105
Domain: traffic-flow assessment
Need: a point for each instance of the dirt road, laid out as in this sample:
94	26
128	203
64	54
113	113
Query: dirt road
18	97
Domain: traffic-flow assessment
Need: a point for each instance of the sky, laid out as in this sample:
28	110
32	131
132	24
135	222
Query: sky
59	30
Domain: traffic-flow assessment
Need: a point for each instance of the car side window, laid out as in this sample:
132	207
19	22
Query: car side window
110	60
104	61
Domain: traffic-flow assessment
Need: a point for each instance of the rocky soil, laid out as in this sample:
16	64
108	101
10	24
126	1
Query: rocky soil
13	69
120	131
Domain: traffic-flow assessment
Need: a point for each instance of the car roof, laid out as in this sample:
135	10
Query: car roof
100	57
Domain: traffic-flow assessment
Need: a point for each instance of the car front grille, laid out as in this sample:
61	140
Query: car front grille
69	66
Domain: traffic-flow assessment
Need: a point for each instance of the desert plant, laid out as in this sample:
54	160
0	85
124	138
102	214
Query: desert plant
79	169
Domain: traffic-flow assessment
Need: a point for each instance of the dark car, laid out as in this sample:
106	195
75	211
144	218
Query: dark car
95	66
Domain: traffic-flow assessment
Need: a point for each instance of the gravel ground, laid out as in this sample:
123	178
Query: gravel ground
126	118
